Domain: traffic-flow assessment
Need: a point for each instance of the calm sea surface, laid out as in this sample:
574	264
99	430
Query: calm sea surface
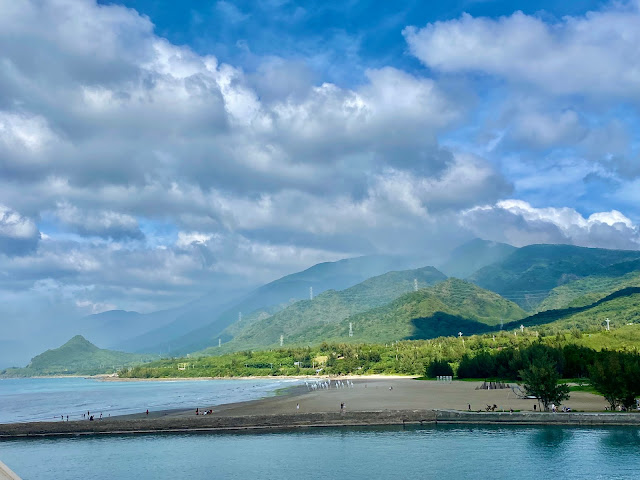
438	452
32	399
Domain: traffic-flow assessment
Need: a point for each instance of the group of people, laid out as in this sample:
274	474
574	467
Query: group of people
565	409
327	384
87	416
204	412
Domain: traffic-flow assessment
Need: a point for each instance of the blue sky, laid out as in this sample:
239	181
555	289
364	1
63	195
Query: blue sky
151	152
337	39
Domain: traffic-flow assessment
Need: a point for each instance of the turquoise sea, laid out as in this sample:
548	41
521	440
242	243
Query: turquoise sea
436	452
34	399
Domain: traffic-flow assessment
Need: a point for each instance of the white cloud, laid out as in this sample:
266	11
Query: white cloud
519	223
593	54
103	223
186	239
18	234
107	130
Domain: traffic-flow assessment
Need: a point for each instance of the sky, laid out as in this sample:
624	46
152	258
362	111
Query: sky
152	152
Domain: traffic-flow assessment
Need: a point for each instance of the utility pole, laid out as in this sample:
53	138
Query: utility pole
607	320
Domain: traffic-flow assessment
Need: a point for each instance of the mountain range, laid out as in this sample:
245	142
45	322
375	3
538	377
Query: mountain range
380	299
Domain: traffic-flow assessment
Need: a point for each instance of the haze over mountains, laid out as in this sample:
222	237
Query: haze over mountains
377	297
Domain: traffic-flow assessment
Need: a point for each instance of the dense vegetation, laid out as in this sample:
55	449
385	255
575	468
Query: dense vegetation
78	357
575	349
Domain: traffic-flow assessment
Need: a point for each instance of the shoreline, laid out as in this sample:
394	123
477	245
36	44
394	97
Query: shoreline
358	402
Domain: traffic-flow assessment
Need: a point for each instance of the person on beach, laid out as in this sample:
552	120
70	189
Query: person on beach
197	413
147	412
297	406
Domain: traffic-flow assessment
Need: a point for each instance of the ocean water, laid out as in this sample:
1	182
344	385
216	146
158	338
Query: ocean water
439	452
35	399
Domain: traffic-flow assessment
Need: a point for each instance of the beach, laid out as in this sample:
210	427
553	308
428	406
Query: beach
399	393
357	402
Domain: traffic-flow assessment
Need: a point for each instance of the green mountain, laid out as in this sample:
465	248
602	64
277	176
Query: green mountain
528	275
282	292
330	307
621	307
442	309
472	256
588	290
78	357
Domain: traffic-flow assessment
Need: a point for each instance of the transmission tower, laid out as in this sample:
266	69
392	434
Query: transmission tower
415	284
219	342
310	293
239	316
281	340
350	329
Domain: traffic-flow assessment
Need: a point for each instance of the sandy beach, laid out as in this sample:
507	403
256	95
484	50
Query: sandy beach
397	393
370	401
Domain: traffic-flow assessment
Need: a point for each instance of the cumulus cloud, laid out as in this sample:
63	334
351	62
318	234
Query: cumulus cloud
157	174
518	223
18	235
594	54
103	223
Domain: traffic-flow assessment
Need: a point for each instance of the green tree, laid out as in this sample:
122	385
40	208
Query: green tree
438	368
540	379
617	377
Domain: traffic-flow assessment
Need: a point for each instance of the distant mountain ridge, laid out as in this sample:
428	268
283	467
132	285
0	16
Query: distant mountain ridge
453	298
528	274
536	277
280	293
332	306
472	256
80	357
